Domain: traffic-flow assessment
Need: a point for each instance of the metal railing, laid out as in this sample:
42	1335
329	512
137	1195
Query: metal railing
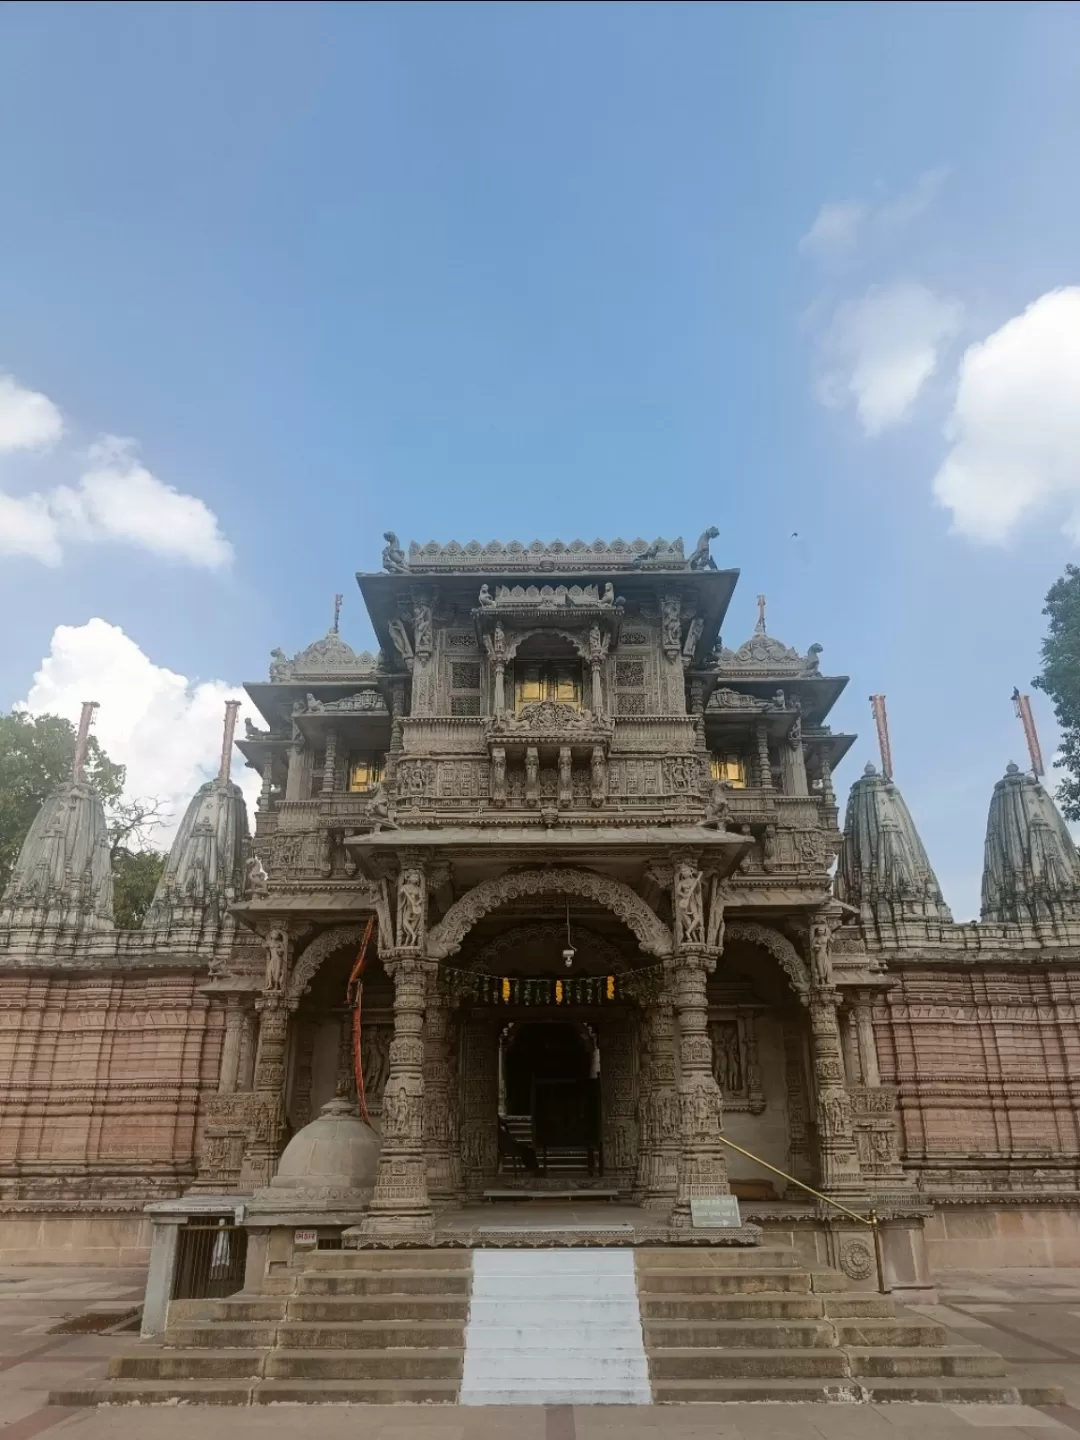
210	1260
869	1219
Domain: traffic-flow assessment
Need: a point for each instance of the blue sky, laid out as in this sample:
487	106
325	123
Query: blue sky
542	270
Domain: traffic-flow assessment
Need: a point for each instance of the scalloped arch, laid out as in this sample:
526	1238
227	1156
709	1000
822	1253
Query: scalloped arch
309	959
777	945
653	935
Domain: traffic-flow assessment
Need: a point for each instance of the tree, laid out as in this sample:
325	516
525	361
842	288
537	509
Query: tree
36	757
1060	679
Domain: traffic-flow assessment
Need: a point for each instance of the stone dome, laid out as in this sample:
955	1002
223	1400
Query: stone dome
331	1163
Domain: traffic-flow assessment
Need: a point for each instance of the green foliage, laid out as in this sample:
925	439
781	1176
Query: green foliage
1060	679
36	756
135	877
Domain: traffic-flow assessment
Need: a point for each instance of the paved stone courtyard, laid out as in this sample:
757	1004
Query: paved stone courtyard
1031	1316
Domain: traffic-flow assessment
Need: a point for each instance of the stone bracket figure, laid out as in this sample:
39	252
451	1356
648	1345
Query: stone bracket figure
701	558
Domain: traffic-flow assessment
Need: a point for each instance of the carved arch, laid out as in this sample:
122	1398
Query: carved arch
324	945
653	935
777	945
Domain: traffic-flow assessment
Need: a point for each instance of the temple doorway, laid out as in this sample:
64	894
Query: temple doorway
549	1115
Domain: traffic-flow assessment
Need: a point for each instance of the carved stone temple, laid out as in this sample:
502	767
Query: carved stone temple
615	938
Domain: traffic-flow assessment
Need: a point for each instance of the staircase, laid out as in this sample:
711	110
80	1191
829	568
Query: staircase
361	1327
726	1324
718	1323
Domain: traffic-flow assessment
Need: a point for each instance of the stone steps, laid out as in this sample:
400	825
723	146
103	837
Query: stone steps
553	1326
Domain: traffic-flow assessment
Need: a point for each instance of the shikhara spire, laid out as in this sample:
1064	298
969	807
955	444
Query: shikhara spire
1031	872
884	870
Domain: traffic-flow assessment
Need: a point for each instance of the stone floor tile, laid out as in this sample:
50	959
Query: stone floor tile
1007	1416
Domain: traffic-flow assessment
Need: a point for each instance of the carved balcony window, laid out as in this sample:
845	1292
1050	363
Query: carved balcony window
365	771
726	765
551	681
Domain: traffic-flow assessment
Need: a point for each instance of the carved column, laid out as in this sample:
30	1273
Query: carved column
702	1169
397	727
249	1042
796	1087
345	1084
618	1072
267	784
480	1102
500	687
764	769
303	1054
498	775
329	777
836	1142
441	1148
532	775
566	784
400	1199
864	1031
793	761
267	1127
597	689
229	1073
658	1109
597	776
296	782
852	1068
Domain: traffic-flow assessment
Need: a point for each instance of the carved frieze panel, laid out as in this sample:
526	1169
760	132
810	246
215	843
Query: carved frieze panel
735	1068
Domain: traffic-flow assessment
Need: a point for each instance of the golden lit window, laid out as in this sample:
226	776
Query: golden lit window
731	768
547	680
365	772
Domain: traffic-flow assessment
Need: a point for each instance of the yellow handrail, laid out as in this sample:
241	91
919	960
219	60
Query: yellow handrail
871	1219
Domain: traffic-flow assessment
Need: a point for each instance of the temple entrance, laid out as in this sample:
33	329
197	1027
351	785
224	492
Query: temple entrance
550	1111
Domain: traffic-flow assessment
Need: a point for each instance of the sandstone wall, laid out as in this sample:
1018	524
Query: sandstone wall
987	1064
102	1081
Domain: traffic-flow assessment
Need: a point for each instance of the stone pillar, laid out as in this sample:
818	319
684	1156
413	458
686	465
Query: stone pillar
864	1031
296	782
267	1127
793	762
532	775
597	689
566	780
329	776
400	1201
245	1077
840	1173
229	1074
619	1069
500	687
852	1068
702	1169
658	1109
267	784
764	769
441	1147
480	1102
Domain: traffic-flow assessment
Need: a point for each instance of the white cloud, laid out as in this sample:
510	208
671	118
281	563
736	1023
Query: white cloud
835	229
119	499
881	349
28	420
165	728
839	225
28	527
1015	425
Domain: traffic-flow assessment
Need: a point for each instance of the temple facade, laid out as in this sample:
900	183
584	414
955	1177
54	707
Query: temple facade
551	895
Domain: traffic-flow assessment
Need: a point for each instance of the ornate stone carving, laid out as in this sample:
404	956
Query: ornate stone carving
701	559
856	1260
777	945
616	554
653	935
393	557
326	659
688	905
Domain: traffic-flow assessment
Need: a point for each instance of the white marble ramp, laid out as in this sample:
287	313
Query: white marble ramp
554	1327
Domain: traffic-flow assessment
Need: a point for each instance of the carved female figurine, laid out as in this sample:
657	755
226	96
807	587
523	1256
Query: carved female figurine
689	912
277	958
